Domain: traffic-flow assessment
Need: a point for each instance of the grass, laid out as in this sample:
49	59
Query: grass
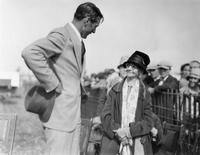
29	136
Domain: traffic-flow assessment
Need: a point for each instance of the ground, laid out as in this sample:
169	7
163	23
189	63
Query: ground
29	136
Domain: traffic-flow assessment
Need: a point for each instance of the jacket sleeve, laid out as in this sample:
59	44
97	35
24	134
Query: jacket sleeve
36	57
144	126
108	122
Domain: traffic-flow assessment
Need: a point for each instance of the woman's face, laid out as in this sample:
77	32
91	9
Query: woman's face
132	71
186	71
193	82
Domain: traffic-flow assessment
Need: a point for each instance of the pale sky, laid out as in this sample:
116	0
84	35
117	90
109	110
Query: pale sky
164	29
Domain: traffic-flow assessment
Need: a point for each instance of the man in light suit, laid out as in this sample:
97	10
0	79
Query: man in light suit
58	63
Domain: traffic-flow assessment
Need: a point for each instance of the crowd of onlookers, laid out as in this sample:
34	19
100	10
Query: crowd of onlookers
157	78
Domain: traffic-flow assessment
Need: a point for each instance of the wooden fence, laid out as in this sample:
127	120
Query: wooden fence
182	111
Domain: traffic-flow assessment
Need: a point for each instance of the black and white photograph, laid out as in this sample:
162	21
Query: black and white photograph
99	77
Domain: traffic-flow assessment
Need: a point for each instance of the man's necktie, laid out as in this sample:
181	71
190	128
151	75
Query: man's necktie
82	52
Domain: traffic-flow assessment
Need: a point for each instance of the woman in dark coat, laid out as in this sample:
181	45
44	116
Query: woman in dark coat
127	115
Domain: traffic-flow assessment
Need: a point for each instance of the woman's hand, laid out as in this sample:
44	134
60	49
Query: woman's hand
125	141
123	132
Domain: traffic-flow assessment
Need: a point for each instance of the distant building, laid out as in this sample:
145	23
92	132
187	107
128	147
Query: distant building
5	83
9	82
14	78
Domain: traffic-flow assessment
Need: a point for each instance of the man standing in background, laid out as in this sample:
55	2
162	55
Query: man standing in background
167	81
58	63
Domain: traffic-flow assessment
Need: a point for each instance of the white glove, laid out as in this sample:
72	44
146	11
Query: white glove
123	132
154	132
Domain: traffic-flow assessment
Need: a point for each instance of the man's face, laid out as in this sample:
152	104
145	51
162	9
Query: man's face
163	72
132	71
154	73
89	27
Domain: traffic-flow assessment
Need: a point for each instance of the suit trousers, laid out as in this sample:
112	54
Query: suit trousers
62	142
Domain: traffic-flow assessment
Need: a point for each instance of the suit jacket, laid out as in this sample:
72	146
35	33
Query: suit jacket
57	59
111	118
169	83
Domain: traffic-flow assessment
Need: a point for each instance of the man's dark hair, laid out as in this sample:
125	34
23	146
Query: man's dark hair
183	66
90	10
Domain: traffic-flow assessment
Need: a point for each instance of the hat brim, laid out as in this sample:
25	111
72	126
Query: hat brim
40	102
193	76
151	70
122	65
163	67
45	116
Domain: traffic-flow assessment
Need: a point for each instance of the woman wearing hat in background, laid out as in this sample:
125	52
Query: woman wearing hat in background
185	72
192	88
126	117
121	67
191	94
111	81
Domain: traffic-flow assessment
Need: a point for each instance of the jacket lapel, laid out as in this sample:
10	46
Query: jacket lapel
139	109
118	90
77	46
